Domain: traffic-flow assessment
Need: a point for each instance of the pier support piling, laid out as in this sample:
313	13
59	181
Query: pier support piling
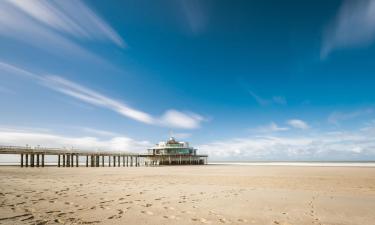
42	160
32	160
21	160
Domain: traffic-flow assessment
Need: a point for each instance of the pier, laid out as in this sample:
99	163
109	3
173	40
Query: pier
35	157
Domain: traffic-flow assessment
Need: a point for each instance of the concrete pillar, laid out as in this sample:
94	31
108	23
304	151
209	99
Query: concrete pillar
119	161
127	161
91	161
37	160
58	160
21	160
63	158
68	160
131	161
97	160
109	161
77	160
71	160
102	160
123	161
114	161
87	161
32	160
26	160
42	160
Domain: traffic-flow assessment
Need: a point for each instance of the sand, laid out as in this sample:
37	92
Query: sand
212	194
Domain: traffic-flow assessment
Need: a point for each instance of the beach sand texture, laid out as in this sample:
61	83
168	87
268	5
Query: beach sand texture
213	194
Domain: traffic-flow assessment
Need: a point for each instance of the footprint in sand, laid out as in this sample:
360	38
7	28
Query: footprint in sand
59	221
172	217
187	212
147	212
203	220
223	220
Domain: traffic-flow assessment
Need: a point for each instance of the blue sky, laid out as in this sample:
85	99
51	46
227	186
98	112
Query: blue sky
244	80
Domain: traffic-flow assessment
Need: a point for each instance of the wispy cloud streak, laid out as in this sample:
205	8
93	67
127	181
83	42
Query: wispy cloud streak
280	100
57	27
71	17
195	15
270	128
337	117
354	26
171	118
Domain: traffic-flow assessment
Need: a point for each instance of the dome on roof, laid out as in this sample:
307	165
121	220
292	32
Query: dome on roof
172	141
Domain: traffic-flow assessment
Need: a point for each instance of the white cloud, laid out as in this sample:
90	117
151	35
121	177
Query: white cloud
272	127
354	26
337	116
357	145
281	100
177	119
300	124
44	139
171	118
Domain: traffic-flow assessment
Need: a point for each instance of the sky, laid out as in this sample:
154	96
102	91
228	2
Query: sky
240	80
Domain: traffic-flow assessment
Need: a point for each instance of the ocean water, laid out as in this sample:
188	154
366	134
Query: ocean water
295	163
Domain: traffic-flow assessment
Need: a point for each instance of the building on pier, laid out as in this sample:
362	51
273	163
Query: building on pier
172	152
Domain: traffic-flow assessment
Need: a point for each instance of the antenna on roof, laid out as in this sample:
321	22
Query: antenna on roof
170	133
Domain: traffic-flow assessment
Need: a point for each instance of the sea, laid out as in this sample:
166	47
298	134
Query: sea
297	163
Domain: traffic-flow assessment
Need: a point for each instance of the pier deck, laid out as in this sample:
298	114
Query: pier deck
35	157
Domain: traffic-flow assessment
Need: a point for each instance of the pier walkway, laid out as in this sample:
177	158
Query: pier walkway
35	157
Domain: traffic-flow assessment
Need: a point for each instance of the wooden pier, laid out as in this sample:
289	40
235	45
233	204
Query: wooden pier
35	157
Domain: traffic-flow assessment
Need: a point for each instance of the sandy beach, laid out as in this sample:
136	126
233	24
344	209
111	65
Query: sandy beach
213	194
